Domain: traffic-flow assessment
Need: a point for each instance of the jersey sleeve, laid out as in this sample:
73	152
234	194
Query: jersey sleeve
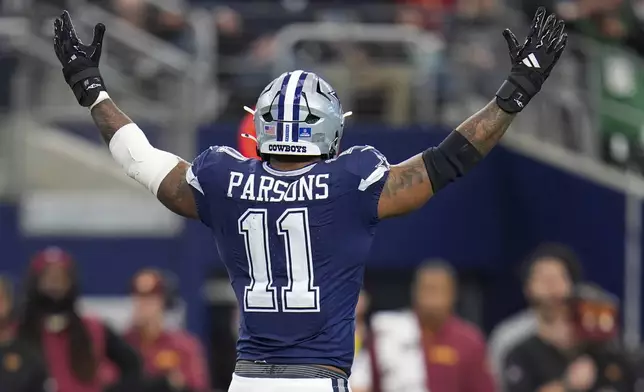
371	169
204	175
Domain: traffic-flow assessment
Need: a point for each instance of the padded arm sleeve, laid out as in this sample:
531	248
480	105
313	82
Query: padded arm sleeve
142	162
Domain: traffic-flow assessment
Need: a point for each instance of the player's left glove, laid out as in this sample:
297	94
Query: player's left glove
532	62
79	61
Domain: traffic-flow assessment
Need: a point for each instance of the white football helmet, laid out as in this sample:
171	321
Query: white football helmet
299	114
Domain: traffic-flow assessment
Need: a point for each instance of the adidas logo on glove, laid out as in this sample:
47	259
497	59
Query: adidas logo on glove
531	61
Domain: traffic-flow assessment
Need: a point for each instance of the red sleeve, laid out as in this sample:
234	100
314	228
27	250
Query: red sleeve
477	368
196	376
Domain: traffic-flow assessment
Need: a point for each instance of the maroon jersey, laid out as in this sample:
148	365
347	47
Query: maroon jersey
173	351
455	357
56	352
404	357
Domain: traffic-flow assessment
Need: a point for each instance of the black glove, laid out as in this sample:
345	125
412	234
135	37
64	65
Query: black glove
79	61
532	62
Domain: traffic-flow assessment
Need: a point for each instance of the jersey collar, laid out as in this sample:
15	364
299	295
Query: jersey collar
288	173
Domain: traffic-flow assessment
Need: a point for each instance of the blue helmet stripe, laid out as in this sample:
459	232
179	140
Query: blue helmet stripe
296	106
280	108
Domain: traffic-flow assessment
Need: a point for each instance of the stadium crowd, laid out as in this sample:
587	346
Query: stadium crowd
385	83
246	48
48	344
245	52
566	339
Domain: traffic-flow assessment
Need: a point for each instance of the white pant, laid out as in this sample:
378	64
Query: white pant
244	384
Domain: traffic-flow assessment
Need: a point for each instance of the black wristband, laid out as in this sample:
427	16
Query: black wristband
510	98
82	75
516	92
454	157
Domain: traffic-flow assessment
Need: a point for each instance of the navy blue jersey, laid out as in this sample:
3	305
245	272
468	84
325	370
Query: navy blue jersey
295	245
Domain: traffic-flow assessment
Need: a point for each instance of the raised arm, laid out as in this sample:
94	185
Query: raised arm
173	190
409	186
413	182
163	173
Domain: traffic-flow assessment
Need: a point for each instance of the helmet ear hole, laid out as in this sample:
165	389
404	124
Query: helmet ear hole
311	119
268	117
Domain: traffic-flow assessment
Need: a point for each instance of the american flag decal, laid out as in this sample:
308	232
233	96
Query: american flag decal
269	130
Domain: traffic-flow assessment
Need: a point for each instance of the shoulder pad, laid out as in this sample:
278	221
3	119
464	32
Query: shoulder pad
214	158
216	154
365	162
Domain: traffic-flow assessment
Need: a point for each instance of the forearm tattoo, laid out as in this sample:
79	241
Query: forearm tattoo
485	128
410	174
109	119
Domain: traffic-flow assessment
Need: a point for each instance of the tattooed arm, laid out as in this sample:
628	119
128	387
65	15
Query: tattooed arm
408	186
174	191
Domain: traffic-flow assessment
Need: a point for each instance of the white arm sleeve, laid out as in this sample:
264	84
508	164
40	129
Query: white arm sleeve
142	162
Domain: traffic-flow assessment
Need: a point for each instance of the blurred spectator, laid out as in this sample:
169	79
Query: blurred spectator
638	365
362	326
428	348
76	348
374	84
375	88
232	41
363	347
175	357
21	368
573	348
162	18
246	46
547	275
506	336
427	14
612	21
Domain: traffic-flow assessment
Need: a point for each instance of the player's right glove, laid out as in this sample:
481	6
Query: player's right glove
532	62
79	61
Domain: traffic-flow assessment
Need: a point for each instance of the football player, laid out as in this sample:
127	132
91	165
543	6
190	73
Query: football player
294	229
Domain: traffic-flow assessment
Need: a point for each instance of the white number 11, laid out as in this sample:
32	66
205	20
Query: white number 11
300	294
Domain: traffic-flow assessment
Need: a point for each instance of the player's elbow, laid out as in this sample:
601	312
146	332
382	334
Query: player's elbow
407	189
175	193
452	159
140	160
400	206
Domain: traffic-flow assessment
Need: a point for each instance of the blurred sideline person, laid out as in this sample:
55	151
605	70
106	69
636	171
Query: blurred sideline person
174	357
294	230
21	368
362	324
539	288
363	343
76	349
574	348
429	348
